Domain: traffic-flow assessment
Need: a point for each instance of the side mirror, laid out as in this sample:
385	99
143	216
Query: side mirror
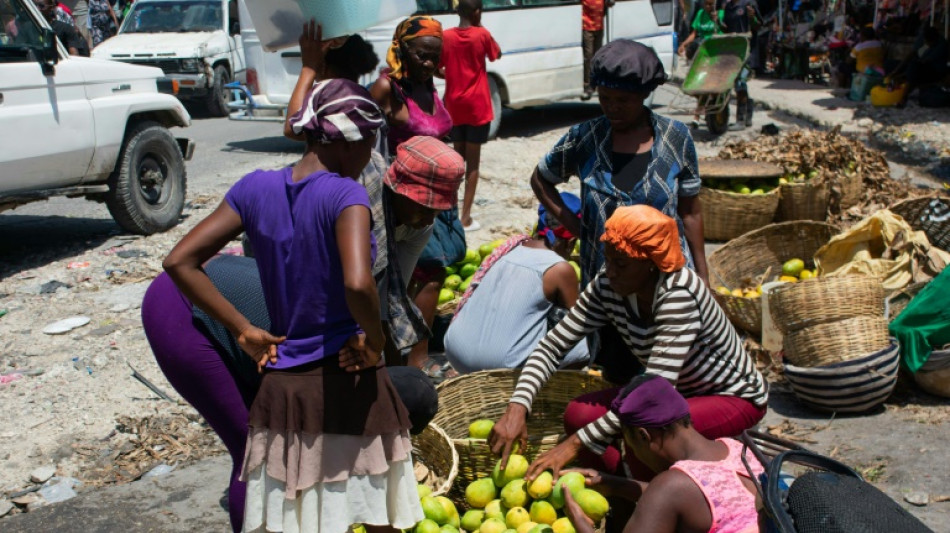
234	27
47	53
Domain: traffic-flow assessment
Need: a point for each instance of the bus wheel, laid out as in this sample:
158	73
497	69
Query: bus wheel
495	107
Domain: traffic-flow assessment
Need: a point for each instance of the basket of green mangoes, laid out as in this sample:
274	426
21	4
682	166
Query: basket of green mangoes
732	207
459	276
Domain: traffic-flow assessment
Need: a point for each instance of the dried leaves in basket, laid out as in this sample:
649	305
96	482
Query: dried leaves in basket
833	156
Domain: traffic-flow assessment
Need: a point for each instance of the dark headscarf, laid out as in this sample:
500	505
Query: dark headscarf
649	402
628	66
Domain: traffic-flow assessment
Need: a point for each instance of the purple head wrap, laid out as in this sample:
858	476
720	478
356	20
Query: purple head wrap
652	403
338	110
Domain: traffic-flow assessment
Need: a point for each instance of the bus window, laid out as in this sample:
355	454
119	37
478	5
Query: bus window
489	5
662	11
535	3
430	7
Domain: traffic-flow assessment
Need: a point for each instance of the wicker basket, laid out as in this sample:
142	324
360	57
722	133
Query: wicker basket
485	394
804	201
435	460
795	306
835	342
852	188
920	214
854	386
726	215
755	252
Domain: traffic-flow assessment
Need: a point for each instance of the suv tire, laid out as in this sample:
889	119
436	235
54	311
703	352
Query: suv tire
147	190
220	95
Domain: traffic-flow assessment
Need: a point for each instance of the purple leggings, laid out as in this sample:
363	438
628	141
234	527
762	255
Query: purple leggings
192	364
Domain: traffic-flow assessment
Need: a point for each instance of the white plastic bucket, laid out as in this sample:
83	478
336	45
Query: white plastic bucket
279	22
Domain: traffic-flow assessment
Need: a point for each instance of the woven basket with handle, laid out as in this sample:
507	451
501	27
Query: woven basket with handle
835	342
804	201
485	394
435	460
816	301
930	214
726	215
742	260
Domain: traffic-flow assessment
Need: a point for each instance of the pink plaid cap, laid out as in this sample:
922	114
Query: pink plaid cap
338	110
427	172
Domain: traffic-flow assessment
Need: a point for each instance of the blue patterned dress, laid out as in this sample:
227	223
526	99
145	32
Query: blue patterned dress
585	151
100	21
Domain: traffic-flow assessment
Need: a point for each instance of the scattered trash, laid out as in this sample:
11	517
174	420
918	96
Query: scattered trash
26	499
128	254
77	264
80	363
24	492
149	384
52	286
10	378
104	330
59	490
3	313
919	499
66	325
159	470
5	507
42	474
770	129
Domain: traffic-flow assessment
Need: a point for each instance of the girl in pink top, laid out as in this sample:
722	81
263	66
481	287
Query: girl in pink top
701	485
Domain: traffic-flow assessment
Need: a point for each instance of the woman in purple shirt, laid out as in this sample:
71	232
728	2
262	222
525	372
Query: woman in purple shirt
328	444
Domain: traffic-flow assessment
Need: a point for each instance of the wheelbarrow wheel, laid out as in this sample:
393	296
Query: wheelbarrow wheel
718	122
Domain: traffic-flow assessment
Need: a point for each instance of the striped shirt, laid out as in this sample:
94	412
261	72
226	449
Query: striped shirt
689	342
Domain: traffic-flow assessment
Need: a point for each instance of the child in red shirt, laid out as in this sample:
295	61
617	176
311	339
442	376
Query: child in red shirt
467	97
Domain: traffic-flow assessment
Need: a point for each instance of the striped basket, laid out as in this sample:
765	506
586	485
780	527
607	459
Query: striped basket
853	386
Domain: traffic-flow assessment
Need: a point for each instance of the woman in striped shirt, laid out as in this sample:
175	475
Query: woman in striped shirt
669	320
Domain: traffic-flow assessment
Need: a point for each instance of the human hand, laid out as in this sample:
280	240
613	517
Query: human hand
681	50
357	354
750	10
574	512
510	427
592	477
313	49
260	345
555	459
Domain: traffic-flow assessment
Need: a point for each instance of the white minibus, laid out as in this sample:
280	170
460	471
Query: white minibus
541	62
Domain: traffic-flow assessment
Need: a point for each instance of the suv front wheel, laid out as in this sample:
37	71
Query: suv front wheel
147	190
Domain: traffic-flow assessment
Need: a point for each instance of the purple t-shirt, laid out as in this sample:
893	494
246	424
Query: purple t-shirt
291	227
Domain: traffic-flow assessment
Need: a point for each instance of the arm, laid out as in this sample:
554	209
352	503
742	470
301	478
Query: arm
382	93
682	48
352	234
586	316
660	508
691	212
112	14
551	199
560	285
183	265
312	53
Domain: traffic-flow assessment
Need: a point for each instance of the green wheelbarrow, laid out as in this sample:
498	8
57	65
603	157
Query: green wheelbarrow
711	77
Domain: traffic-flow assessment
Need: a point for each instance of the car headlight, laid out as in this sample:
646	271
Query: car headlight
190	65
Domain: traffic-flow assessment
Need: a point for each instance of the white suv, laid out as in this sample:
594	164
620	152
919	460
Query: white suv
83	127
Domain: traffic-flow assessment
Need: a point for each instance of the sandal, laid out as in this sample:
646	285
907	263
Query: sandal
435	369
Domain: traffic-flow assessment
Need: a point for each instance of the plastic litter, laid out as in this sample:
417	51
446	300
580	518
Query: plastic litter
66	325
159	470
77	264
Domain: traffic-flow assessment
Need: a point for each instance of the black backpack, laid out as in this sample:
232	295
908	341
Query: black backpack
829	498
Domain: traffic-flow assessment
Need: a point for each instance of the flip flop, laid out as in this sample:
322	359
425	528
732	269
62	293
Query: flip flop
435	369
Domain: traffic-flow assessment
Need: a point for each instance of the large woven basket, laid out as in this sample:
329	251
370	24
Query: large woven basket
804	201
485	394
851	386
726	215
930	214
795	306
835	342
435	460
750	255
852	188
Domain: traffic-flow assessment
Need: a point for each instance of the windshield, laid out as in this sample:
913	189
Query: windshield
174	17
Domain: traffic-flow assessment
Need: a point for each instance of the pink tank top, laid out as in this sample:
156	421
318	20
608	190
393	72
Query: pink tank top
732	505
437	125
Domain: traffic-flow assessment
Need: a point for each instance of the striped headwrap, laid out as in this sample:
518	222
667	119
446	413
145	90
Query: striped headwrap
338	110
412	28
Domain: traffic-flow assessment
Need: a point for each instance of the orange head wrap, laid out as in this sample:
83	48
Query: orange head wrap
642	232
409	29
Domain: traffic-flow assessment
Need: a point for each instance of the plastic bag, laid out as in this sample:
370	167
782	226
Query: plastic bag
882	245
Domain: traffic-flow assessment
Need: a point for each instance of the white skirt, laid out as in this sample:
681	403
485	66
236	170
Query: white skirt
382	499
